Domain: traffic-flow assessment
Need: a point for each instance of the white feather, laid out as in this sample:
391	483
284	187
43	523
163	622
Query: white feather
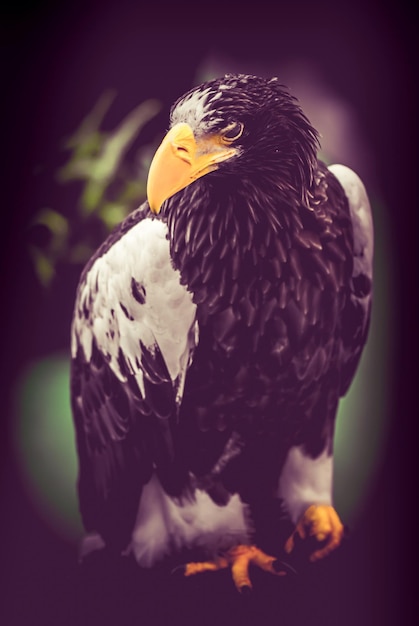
166	318
193	109
162	526
304	481
361	215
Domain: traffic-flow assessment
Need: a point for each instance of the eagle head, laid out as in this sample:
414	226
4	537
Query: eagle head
236	128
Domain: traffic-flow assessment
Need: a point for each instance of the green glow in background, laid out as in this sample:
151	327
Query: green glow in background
45	441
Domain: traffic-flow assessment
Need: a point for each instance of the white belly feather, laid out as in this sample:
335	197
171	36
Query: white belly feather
163	527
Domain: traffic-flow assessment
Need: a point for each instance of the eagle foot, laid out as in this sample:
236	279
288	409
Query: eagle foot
238	559
322	523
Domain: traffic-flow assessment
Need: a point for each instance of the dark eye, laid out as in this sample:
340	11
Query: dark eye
233	131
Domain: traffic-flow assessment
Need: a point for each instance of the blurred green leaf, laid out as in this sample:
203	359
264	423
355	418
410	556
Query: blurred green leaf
43	266
133	190
98	157
110	187
88	132
118	142
56	222
92	195
46	249
80	253
112	213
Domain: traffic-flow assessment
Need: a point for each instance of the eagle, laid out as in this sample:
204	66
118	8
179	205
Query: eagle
214	333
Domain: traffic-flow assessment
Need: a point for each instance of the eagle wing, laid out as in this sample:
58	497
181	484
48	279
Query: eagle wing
133	336
357	313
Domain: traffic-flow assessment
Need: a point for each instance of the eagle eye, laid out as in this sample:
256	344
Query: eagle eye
232	131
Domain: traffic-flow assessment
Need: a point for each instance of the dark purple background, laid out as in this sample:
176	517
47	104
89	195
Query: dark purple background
55	64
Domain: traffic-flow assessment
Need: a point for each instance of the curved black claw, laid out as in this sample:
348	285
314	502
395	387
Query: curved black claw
178	571
282	566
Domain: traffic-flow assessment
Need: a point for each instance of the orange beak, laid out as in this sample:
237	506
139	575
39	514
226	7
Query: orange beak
180	160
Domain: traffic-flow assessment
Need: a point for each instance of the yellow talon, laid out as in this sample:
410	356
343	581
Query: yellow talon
205	566
321	522
238	559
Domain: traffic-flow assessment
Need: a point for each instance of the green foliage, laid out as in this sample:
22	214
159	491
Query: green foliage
110	186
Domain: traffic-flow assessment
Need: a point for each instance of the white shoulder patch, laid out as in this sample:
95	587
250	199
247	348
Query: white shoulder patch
360	208
133	296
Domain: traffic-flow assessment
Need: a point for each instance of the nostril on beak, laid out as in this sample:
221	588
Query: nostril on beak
182	152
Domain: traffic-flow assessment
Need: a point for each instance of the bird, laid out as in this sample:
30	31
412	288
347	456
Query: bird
214	333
